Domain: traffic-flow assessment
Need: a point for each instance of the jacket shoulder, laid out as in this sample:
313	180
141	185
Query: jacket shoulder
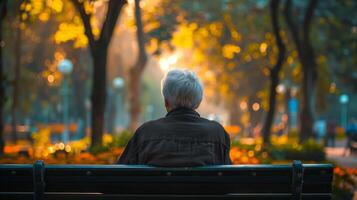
213	124
149	125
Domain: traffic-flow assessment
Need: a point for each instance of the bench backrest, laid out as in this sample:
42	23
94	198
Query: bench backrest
296	181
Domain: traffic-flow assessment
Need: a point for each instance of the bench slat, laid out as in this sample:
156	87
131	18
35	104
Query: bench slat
95	196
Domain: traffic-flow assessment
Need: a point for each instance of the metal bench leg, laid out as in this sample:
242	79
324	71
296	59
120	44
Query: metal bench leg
38	180
297	179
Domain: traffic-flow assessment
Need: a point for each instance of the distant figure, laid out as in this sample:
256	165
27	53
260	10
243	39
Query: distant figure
182	138
330	133
351	129
351	134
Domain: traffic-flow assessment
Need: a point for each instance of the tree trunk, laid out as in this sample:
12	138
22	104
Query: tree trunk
136	71
309	85
16	80
98	95
274	72
2	76
99	51
309	76
309	67
274	81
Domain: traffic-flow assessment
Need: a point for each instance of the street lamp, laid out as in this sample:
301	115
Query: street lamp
344	101
118	85
65	66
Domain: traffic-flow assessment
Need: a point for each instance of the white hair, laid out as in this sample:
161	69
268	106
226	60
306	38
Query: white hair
182	88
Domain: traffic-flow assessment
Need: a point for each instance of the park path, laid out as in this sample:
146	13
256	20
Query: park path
337	154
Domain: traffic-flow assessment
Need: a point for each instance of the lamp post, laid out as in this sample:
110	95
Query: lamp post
65	66
344	101
87	104
118	85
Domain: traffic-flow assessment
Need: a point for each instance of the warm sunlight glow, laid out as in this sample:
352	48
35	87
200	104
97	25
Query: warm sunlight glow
166	63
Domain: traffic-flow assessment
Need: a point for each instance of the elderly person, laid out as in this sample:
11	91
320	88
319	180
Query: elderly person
182	138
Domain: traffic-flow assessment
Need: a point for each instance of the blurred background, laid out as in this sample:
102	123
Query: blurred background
79	76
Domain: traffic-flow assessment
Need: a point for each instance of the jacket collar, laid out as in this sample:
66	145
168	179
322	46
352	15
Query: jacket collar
182	111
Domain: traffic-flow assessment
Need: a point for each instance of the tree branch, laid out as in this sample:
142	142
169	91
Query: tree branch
276	30
86	22
292	26
308	18
142	58
114	9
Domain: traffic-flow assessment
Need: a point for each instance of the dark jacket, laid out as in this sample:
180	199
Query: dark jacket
181	139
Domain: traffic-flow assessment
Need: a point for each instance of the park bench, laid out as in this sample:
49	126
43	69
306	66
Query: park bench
291	181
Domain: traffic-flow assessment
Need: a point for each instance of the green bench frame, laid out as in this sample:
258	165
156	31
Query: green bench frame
291	181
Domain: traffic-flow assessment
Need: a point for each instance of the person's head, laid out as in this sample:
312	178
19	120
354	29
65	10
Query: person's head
181	88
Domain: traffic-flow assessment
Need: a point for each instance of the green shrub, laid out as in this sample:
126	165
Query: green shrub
121	140
308	151
287	150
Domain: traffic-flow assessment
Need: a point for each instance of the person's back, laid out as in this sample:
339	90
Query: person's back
182	138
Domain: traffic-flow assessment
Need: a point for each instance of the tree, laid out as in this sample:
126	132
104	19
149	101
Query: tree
274	72
336	31
2	76
301	38
99	51
137	70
